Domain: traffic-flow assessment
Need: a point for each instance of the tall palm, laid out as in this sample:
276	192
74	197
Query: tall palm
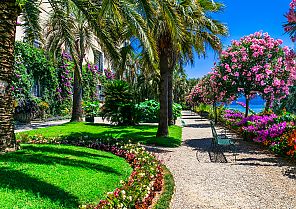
202	31
70	29
182	28
124	11
9	11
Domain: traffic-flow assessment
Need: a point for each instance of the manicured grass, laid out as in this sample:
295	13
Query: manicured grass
168	190
58	176
143	133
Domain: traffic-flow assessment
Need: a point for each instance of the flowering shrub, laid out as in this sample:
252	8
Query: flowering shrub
259	60
233	117
277	132
141	187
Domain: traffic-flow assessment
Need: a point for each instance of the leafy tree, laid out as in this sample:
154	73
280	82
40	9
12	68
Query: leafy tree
256	64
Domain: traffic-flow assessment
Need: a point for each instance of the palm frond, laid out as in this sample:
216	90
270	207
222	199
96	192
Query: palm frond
32	22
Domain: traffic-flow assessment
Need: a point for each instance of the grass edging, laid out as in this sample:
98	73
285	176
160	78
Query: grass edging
164	200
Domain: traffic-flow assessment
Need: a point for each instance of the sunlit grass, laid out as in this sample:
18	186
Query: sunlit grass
58	176
142	133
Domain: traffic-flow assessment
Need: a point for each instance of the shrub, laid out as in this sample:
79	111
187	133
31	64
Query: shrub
119	107
148	111
91	108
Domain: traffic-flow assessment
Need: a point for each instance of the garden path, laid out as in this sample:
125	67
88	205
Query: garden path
257	179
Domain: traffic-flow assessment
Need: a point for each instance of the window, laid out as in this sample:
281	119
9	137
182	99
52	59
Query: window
36	88
99	60
101	96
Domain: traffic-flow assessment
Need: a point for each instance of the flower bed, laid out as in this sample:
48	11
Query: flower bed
277	132
145	181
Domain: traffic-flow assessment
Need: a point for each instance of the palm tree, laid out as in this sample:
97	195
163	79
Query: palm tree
182	28
127	11
9	11
70	28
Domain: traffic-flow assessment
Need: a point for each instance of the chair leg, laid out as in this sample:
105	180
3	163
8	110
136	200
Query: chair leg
234	152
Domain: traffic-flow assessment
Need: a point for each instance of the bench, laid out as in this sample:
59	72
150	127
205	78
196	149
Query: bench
219	142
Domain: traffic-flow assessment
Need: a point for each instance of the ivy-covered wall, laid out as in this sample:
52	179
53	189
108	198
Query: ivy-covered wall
44	88
34	74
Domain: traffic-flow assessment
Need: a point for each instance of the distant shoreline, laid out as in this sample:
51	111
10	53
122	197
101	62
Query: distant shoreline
257	104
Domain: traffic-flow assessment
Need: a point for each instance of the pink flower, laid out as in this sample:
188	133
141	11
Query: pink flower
234	60
268	72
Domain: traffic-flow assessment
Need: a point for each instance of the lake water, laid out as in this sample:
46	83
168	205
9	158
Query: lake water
257	104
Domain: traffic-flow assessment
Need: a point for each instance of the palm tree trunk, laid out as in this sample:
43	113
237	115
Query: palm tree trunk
170	97
77	96
163	97
8	17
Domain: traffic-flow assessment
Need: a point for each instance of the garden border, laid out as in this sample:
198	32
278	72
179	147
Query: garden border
149	176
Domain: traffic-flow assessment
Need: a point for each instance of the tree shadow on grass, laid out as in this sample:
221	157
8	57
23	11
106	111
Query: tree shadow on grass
143	136
34	158
16	180
63	150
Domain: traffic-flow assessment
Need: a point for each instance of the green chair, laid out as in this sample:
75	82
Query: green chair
220	142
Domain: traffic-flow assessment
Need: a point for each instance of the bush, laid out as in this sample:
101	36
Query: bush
148	111
119	107
91	108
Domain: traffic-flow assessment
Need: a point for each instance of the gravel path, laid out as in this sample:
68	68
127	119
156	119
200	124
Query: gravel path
257	179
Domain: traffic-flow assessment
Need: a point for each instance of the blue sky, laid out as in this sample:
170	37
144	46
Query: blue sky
244	17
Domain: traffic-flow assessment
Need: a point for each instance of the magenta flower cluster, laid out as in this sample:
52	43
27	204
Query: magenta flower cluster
66	85
263	127
233	115
109	74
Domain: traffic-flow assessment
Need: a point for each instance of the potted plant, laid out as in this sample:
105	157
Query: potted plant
25	110
91	110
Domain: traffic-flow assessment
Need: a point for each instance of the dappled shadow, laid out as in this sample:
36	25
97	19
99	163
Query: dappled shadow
290	172
16	180
22	157
203	125
203	145
192	118
61	150
157	149
141	135
33	126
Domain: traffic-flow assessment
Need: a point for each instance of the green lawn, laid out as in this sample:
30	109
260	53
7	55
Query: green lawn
143	133
58	176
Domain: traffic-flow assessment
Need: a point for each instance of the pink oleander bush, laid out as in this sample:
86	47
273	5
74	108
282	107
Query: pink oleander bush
256	64
143	184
